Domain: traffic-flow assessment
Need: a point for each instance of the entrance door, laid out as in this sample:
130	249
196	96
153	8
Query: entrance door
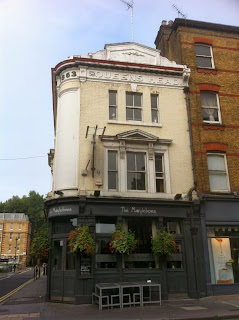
63	272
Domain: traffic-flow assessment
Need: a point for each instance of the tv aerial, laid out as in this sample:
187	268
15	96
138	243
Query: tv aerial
180	14
130	5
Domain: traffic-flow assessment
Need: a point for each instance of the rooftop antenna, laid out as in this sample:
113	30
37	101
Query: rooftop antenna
130	5
180	14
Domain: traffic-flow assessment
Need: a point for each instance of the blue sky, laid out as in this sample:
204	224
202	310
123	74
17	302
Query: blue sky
35	35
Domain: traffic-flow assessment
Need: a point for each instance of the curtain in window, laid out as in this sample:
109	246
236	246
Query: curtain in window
210	106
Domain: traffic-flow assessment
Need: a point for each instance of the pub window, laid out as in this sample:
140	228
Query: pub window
105	226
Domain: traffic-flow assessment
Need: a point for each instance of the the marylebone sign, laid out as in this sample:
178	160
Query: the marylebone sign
100	75
64	210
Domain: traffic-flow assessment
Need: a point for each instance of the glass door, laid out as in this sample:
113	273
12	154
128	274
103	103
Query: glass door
63	272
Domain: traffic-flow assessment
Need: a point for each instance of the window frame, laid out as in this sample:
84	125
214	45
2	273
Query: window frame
154	109
133	107
137	171
219	121
219	173
163	172
113	106
205	56
150	169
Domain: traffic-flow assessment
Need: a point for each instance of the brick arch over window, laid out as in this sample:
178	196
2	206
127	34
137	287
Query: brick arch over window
209	87
215	146
202	40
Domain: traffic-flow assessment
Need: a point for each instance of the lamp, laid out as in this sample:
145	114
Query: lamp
178	196
97	193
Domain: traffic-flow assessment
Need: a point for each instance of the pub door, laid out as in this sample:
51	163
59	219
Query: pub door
63	272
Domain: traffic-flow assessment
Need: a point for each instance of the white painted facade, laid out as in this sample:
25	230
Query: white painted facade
81	86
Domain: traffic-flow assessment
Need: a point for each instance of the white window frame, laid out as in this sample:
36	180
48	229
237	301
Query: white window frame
154	109
163	172
219	172
134	107
150	169
205	56
117	169
11	226
20	226
145	171
218	107
114	106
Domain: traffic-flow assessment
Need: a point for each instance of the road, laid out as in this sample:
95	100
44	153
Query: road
13	281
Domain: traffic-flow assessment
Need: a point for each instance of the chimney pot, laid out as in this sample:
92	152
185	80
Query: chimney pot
164	23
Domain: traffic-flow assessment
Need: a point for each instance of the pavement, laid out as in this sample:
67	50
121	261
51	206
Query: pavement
30	303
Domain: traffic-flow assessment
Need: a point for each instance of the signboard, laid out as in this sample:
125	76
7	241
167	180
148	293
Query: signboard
63	210
85	268
3	260
221	257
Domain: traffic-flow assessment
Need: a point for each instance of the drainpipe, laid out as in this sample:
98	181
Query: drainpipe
186	91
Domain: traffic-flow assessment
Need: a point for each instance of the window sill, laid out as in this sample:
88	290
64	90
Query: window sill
206	70
136	194
135	123
213	126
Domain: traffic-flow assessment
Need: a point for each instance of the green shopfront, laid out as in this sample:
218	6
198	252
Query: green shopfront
72	276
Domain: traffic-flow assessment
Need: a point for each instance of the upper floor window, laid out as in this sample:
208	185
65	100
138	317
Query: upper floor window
10	236
11	226
204	56
112	170
20	226
159	172
112	105
9	247
218	175
133	106
210	107
1	226
154	107
136	171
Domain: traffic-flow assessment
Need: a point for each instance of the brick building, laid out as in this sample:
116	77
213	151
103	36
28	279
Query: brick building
211	51
15	231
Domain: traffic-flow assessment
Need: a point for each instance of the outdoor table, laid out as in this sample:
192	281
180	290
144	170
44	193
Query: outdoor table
149	298
105	292
134	287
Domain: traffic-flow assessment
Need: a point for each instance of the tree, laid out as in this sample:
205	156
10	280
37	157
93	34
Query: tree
40	245
32	205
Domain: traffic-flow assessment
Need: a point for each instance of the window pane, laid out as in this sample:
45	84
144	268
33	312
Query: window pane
159	185
131	161
57	255
154	101
216	162
105	227
112	98
140	181
208	99
131	181
154	116
218	181
142	228
129	99
129	114
137	115
210	114
112	113
70	259
112	160
203	50
140	162
112	180
137	99
204	62
158	163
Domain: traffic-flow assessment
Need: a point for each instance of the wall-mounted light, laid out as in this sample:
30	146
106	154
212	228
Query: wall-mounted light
60	193
97	193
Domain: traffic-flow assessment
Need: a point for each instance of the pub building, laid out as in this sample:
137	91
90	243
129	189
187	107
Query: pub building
122	156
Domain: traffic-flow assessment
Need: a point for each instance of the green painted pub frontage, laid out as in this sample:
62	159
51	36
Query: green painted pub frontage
72	276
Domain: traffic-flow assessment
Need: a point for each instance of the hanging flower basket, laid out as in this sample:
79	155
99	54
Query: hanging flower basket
122	241
164	244
80	239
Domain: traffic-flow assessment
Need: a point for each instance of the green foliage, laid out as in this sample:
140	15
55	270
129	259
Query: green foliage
122	241
32	205
40	245
80	239
163	243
